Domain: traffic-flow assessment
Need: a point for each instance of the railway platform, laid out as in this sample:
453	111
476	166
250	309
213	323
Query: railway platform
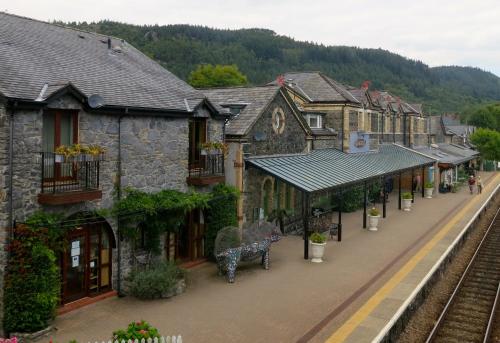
352	297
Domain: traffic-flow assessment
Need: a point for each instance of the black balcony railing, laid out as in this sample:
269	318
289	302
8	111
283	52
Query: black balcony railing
67	174
207	165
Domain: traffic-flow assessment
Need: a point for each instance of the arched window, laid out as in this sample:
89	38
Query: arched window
267	196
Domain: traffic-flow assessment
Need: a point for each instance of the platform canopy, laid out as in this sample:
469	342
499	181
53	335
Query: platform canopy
326	169
449	154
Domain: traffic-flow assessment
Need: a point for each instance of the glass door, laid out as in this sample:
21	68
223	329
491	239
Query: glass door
74	271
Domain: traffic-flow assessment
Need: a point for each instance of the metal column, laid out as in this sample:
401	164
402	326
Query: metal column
384	194
306	210
364	208
411	185
423	182
399	186
339	229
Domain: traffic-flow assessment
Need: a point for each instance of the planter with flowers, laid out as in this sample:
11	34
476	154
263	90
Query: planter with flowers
318	243
428	189
373	219
407	198
79	153
140	330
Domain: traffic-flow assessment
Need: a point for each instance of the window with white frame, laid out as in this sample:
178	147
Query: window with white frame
314	121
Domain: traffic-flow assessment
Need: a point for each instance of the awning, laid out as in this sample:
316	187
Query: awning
325	169
449	154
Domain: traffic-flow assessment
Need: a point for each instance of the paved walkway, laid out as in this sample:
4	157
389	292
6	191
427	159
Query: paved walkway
295	300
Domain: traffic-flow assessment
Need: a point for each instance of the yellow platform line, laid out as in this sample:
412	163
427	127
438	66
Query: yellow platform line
357	318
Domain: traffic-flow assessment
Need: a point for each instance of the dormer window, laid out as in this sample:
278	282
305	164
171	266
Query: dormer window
315	121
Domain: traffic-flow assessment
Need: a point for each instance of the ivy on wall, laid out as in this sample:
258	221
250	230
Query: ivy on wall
221	212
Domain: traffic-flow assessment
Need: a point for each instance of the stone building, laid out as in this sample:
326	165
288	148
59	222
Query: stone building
265	122
356	115
447	128
61	86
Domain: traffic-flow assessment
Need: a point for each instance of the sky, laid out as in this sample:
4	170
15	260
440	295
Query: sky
436	32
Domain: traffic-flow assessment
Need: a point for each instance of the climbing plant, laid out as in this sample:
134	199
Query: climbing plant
221	212
155	213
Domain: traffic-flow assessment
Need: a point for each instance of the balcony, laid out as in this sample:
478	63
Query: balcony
69	180
209	169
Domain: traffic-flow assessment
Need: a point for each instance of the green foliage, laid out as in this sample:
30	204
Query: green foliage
136	330
31	282
374	212
262	55
156	213
429	185
406	196
484	116
207	76
52	223
487	142
317	237
155	281
352	199
221	213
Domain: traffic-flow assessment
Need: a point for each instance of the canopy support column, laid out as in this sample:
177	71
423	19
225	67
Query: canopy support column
384	194
364	206
423	182
411	185
339	228
306	210
399	191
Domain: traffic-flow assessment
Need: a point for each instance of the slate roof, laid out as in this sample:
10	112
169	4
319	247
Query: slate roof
35	53
447	153
330	168
317	87
254	99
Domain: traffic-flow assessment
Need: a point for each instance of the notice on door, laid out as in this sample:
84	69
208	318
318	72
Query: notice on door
75	261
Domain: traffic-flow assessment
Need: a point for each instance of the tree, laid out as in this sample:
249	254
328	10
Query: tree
207	75
487	143
487	116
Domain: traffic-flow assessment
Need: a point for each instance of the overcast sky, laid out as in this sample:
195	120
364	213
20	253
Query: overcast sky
437	32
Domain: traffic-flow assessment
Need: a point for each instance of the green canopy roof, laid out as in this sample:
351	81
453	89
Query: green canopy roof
325	169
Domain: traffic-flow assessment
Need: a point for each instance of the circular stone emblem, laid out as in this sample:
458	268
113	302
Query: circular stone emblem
278	120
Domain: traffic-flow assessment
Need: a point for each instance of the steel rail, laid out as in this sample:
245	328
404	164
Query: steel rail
442	317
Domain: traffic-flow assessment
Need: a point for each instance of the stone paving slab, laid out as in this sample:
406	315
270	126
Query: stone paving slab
295	300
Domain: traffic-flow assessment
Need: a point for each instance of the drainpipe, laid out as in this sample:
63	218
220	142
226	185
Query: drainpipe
11	174
119	195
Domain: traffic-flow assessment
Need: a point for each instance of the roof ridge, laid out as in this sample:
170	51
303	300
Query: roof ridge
337	87
63	26
237	87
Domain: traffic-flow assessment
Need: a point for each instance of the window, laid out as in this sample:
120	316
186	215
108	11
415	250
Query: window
197	136
314	121
59	128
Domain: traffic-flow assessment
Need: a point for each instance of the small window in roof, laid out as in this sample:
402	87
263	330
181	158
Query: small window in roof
314	121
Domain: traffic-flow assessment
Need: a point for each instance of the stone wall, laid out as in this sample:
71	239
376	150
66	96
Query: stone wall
154	154
292	140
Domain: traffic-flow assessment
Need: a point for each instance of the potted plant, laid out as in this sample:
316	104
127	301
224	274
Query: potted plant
407	198
95	151
62	152
428	189
373	218
318	242
278	216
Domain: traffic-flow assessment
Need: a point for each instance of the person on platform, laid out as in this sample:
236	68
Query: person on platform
479	184
471	183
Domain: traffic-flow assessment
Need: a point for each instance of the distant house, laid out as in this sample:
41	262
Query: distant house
352	112
265	122
61	86
447	128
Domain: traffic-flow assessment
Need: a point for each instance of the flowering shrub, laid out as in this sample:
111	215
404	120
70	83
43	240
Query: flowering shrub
31	282
136	330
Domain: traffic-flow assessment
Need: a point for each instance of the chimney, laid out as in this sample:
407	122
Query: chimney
365	85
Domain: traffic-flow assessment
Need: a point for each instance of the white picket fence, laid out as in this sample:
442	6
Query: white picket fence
167	339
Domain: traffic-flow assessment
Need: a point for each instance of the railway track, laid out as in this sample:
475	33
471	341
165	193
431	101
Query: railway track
469	314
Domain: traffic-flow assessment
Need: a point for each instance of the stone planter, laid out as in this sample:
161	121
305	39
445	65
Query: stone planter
317	250
428	192
178	289
373	222
406	205
41	335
